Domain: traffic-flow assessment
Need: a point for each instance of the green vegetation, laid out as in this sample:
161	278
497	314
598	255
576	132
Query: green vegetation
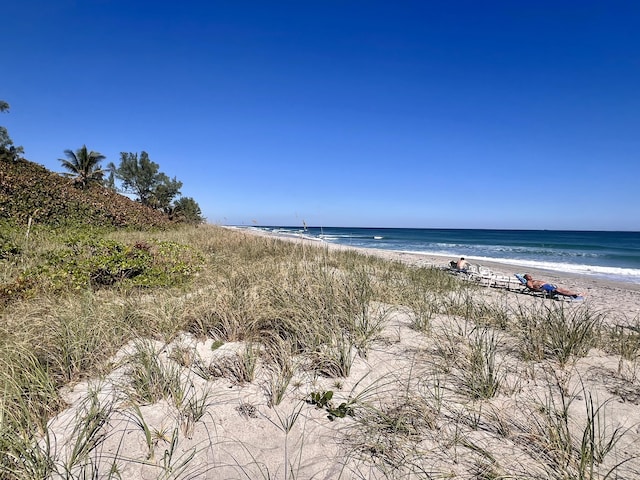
83	166
287	320
187	210
110	294
30	191
141	177
323	400
8	151
84	261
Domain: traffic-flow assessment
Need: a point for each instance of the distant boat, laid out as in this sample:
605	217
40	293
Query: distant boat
378	238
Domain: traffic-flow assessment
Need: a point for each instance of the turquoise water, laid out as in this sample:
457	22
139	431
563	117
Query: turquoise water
612	255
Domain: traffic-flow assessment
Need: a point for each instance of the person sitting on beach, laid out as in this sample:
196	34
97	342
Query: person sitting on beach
462	264
542	286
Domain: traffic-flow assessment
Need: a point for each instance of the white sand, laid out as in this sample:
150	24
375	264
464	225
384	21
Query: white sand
412	378
621	298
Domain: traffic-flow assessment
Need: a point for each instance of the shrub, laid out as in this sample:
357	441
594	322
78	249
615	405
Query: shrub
94	263
8	248
28	190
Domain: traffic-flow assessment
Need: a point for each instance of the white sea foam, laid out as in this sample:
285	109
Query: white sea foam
576	262
614	273
449	245
283	232
328	236
629	273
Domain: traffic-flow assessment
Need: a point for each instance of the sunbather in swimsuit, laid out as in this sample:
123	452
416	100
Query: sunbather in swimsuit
547	287
540	285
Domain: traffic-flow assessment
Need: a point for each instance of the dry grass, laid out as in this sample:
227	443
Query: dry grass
433	380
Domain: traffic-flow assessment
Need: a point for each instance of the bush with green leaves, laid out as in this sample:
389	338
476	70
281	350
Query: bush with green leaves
323	400
8	248
94	263
30	191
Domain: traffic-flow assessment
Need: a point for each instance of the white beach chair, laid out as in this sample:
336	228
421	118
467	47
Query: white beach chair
503	280
484	276
490	278
474	272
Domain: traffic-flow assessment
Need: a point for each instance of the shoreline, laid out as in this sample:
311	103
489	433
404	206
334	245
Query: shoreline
247	385
604	262
621	298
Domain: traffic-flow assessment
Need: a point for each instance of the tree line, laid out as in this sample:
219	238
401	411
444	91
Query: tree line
136	174
8	151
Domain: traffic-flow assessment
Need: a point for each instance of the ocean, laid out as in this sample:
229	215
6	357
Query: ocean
610	255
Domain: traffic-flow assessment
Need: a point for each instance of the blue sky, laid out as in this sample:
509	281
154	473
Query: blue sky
460	114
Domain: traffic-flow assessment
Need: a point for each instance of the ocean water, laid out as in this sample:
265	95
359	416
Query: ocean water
611	255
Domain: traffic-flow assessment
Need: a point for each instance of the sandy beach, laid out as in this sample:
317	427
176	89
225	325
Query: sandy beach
229	231
409	407
611	296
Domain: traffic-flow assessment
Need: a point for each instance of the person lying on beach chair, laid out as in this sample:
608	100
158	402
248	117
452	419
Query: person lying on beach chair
549	289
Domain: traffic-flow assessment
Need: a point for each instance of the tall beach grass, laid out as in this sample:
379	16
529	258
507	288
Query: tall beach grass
301	318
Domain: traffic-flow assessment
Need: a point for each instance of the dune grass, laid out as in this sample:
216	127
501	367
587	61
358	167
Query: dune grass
297	315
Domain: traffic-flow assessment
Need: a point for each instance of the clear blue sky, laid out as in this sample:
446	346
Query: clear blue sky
464	114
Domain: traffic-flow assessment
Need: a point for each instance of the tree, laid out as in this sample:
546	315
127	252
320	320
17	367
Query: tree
166	190
83	165
142	177
137	174
8	151
110	181
187	210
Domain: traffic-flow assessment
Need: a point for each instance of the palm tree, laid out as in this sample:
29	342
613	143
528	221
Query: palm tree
110	182
83	165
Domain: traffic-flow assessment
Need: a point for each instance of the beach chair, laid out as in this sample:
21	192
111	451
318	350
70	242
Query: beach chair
470	273
523	283
483	275
494	279
525	288
547	291
542	293
474	272
502	280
